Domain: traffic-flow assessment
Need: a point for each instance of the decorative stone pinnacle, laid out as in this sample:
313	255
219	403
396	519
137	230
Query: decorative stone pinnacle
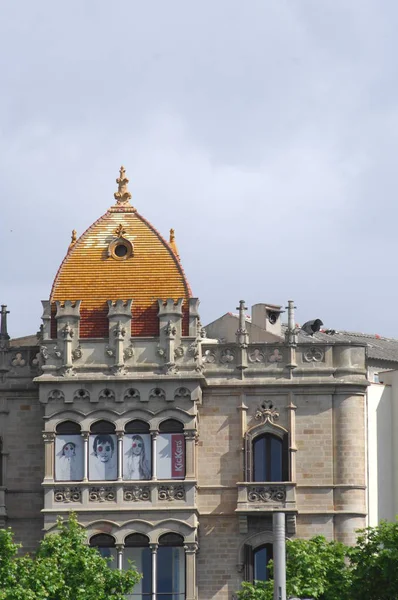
4	337
73	239
122	196
172	242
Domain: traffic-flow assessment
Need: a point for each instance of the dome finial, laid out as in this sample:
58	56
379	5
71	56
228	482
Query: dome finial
122	196
172	242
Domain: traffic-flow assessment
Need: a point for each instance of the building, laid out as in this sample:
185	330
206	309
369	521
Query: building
173	448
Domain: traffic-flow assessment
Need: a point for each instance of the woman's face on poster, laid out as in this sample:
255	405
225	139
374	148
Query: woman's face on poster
137	445
104	451
69	450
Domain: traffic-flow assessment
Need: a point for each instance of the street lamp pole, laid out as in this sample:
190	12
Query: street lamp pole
278	522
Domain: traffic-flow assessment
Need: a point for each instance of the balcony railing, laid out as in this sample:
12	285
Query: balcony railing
142	494
266	497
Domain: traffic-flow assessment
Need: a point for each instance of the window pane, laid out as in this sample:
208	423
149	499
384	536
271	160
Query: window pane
259	460
136	456
276	459
261	558
103	457
68	458
109	553
170	573
142	559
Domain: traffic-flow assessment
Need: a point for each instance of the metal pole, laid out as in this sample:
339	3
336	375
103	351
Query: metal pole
278	522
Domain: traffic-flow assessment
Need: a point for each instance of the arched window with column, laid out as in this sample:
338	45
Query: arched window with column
270	458
170	571
105	545
136	550
137	451
170	450
256	562
69	454
102	452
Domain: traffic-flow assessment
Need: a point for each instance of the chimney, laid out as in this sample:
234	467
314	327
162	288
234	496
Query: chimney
268	318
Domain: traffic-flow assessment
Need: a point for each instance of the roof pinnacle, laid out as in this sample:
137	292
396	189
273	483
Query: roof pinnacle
172	242
122	196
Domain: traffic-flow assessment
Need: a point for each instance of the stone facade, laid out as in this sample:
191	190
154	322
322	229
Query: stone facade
225	394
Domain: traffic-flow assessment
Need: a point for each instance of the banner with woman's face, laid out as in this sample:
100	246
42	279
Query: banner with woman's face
137	454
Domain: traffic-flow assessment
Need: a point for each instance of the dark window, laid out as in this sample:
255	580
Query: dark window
269	458
171	426
105	545
262	556
170	584
137	426
137	551
68	428
121	250
102	427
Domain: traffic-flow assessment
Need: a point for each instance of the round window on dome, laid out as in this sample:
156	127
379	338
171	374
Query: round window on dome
120	249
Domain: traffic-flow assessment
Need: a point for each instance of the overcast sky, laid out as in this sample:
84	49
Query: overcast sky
264	131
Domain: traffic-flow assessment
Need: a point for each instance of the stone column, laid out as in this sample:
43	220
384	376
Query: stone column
120	435
291	407
278	524
86	436
49	472
154	550
119	548
190	570
349	465
190	437
154	435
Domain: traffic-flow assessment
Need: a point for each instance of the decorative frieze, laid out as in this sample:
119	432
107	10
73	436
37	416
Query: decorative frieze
137	493
102	494
132	394
171	492
18	360
56	395
67	494
267	413
314	354
266	493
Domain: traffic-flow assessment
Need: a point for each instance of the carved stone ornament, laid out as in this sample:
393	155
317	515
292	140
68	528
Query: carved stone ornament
161	351
36	360
106	394
275	356
266	494
18	360
109	351
56	395
209	357
267	413
122	196
227	356
102	494
44	353
170	368
194	349
182	392
81	394
256	356
120	331
179	352
170	329
132	394
171	492
67	331
137	493
314	354
57	352
77	353
128	352
157	393
67	494
120	231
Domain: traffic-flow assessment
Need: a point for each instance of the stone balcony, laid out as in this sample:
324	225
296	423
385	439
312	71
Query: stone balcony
255	497
110	495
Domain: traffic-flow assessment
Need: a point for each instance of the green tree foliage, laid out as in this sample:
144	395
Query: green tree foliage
64	568
374	562
315	568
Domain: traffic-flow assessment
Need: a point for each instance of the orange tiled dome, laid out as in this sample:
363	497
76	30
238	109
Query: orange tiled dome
120	256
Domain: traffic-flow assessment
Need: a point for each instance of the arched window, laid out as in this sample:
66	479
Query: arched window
270	458
170	451
102	464
256	562
69	455
170	580
137	451
137	550
106	547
